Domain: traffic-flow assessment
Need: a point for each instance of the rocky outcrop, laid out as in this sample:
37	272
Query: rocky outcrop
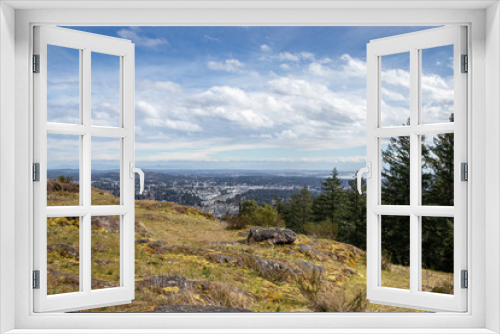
74	279
198	309
65	250
107	223
275	236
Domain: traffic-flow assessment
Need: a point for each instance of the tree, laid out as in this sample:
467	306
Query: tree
439	160
299	210
356	214
437	232
396	191
329	205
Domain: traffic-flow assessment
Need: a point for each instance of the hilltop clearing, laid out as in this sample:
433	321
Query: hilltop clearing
188	261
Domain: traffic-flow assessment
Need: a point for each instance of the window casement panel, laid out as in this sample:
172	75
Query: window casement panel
85	45
414	44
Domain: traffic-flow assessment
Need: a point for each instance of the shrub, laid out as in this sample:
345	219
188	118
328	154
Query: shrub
386	260
323	229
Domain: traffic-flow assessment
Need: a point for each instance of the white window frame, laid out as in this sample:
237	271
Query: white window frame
86	44
413	43
483	125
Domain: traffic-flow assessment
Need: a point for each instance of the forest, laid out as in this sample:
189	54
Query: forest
339	212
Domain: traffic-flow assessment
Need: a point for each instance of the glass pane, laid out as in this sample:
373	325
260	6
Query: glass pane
438	169
437	85
63	170
63	85
105	252
395	170
105	90
395	89
395	259
437	255
105	171
63	255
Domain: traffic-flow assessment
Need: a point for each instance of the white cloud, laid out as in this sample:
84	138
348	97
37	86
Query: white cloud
173	124
285	67
211	38
230	65
265	48
287	56
393	96
141	40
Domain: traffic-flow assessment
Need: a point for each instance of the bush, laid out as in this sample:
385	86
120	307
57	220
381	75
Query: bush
324	229
235	222
386	260
254	215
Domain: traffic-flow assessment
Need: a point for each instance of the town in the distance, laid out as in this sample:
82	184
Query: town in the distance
215	191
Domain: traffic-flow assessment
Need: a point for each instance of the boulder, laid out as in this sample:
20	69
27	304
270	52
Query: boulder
276	236
108	223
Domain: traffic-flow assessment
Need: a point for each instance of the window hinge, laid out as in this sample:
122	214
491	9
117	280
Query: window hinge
465	279
36	279
36	172
465	64
36	63
464	171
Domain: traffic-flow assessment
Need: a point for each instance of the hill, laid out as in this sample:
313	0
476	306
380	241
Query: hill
189	261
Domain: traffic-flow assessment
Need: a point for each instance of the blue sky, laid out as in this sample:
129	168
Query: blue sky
248	97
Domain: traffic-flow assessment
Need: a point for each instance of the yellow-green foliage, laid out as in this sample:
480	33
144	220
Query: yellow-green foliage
174	240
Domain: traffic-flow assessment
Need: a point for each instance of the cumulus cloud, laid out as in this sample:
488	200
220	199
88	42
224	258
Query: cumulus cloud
265	48
141	40
315	106
230	65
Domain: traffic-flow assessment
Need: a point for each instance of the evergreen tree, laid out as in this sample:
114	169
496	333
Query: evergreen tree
329	205
440	161
437	232
396	191
299	210
356	214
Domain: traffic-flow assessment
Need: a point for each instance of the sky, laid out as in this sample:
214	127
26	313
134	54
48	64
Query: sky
245	97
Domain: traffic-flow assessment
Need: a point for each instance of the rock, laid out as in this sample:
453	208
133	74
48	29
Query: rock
142	241
156	245
163	281
311	267
74	279
198	309
108	223
220	258
276	236
65	250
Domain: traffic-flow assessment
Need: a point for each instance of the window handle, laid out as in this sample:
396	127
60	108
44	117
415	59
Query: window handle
368	171
139	171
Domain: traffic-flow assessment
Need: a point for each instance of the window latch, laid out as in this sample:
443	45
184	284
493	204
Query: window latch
132	171
368	171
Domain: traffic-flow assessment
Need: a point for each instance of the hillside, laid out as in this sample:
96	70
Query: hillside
188	261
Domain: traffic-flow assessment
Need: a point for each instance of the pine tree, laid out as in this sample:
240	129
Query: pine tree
356	214
396	191
329	205
299	210
437	233
440	161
